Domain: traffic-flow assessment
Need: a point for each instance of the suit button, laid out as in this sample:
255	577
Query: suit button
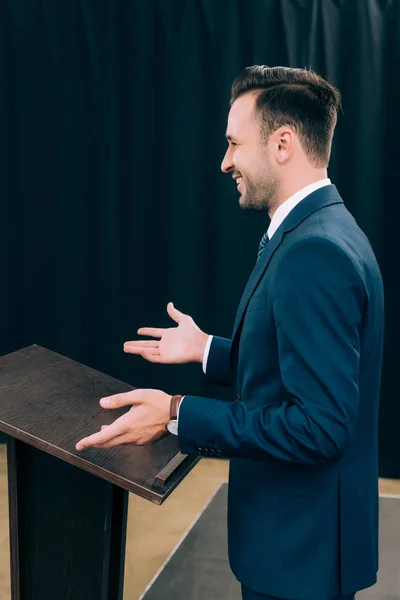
238	397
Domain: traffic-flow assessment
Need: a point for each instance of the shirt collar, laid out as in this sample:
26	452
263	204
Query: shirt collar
284	209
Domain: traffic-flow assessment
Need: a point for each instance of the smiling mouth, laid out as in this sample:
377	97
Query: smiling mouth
240	183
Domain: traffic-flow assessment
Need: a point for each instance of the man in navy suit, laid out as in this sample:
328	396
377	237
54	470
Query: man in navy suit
304	360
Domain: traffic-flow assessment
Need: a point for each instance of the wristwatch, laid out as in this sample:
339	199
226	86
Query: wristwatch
172	425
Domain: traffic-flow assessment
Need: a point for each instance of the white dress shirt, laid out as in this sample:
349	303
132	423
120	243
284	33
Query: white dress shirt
277	219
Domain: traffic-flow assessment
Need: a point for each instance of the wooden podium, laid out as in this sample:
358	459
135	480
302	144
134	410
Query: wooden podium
68	509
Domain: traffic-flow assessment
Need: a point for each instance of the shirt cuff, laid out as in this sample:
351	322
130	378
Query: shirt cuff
207	352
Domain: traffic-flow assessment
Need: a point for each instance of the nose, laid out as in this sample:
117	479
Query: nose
227	164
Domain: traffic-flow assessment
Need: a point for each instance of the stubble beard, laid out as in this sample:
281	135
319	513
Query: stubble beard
259	196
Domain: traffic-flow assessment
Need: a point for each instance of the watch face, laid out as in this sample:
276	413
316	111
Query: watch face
173	427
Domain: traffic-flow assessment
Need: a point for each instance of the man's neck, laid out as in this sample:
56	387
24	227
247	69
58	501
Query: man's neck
291	187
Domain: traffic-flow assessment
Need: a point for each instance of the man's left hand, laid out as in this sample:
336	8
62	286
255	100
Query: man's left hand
145	422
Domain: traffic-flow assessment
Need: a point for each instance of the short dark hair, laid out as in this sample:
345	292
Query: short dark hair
298	98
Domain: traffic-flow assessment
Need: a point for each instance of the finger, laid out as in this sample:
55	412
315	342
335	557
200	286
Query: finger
174	313
151	332
141	344
117	441
119	400
101	437
154	357
140	350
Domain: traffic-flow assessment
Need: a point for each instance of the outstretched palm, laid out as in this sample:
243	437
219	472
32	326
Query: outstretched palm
176	345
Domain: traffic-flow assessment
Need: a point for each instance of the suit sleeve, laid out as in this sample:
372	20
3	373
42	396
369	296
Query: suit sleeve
318	300
218	369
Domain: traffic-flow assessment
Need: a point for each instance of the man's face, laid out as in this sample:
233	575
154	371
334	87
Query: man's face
247	157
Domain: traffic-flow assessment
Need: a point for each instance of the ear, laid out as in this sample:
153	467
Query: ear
284	144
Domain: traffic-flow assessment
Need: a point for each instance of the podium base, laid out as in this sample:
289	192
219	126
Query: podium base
67	529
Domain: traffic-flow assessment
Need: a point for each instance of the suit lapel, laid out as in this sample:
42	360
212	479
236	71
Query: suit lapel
319	199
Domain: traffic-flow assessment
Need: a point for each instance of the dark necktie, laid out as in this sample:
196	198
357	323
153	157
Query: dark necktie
263	243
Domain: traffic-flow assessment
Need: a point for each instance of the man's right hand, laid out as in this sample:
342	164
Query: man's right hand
176	345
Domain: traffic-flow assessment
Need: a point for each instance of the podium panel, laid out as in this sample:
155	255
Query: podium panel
67	529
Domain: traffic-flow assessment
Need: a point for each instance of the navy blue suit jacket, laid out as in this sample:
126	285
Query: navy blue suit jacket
305	363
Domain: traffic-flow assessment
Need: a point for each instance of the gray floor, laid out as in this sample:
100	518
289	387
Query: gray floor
199	568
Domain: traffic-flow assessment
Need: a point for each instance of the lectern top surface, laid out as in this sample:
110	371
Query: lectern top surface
51	402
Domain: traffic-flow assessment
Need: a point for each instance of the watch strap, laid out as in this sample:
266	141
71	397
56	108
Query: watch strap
175	401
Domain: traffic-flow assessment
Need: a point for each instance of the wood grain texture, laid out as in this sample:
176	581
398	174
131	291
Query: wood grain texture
51	402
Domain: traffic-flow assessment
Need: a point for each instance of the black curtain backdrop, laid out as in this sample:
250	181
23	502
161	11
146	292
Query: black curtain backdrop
112	122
